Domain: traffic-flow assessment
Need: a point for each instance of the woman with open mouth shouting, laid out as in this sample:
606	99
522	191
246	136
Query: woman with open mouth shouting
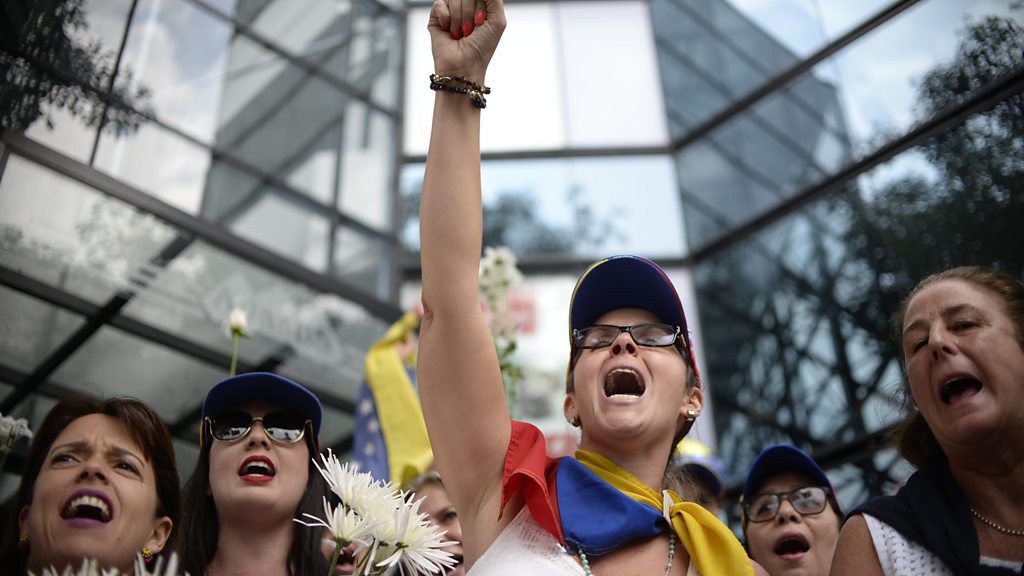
100	483
632	385
255	473
961	333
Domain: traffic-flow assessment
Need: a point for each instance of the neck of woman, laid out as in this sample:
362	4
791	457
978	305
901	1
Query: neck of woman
647	463
241	549
994	484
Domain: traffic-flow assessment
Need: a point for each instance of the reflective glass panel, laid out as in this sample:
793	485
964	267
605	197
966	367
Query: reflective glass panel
54	88
610	77
287	227
373	61
179	51
30	329
530	118
363	261
587	207
113	362
70	236
157	162
318	338
367	166
814	126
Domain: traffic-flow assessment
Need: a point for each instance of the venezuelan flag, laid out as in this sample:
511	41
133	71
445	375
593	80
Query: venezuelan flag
390	437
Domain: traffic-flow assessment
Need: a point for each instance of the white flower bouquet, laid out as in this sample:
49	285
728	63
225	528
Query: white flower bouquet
499	274
390	533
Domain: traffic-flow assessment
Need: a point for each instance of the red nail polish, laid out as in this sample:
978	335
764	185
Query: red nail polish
467	28
457	33
479	18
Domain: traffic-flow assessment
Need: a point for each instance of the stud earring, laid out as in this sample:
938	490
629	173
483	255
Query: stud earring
23	543
147	555
691	415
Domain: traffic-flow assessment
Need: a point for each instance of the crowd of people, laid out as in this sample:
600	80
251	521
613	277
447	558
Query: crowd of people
100	480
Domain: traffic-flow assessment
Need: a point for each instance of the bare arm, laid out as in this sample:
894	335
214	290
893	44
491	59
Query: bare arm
460	383
855	552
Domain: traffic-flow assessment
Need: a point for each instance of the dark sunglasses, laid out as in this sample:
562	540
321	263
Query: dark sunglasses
280	427
807	500
602	335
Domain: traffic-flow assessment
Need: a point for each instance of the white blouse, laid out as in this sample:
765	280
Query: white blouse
901	557
524	547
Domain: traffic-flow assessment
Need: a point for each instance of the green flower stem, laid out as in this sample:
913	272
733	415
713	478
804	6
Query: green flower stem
337	546
6	449
234	353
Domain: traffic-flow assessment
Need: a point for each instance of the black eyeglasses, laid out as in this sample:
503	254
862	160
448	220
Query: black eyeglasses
808	500
602	335
281	427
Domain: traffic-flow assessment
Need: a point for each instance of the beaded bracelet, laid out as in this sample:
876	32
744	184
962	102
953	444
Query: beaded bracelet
461	85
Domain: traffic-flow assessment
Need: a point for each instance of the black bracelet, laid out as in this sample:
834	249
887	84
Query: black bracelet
460	85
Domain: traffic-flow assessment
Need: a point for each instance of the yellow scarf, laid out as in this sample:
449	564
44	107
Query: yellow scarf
712	547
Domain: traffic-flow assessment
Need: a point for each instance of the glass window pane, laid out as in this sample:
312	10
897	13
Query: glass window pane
286	227
611	78
70	236
113	362
814	126
319	339
363	261
374	61
275	116
586	207
54	94
30	329
179	53
157	162
367	166
530	118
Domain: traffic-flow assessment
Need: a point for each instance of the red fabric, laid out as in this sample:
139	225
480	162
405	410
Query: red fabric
528	468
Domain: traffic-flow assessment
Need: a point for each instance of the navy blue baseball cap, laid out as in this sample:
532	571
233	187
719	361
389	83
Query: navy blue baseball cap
781	459
627	282
263	387
709	468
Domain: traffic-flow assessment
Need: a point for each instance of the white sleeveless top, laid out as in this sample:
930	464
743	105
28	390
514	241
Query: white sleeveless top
901	557
523	547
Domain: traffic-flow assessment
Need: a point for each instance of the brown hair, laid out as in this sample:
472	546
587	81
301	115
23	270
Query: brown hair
146	429
916	442
428	478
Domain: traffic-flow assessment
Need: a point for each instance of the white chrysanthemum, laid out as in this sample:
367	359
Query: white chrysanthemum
238	322
13	428
345	525
411	543
498	271
357	491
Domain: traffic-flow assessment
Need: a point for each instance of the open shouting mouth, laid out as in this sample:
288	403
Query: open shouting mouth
87	507
257	468
623	381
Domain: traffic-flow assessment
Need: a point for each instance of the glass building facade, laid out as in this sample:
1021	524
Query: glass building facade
796	165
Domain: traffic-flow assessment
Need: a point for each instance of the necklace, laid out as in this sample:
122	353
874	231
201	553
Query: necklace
668	567
988	523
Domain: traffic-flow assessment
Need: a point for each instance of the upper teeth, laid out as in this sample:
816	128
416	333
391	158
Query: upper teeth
259	464
91	501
